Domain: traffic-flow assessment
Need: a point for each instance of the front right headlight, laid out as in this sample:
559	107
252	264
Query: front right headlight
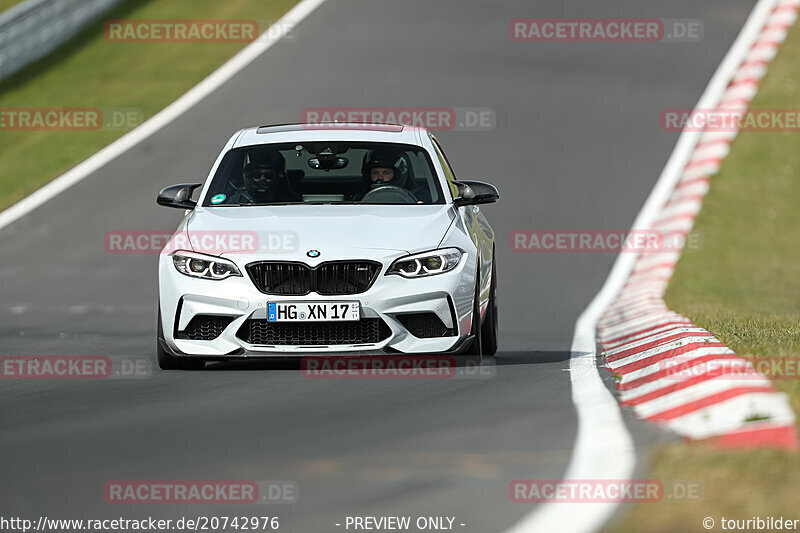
426	263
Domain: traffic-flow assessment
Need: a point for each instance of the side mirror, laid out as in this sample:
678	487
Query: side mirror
179	196
475	192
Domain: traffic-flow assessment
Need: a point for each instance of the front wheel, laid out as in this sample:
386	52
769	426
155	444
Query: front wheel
489	330
477	343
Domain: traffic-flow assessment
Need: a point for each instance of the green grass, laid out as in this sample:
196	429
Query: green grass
5	4
744	287
92	72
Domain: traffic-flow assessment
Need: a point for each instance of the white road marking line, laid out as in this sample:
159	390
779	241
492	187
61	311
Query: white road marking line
603	447
680	211
177	108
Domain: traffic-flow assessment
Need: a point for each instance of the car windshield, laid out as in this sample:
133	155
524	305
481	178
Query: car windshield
325	173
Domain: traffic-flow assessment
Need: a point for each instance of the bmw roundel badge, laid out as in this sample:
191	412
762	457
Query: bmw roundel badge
312	253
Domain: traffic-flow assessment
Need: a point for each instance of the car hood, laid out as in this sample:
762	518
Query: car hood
336	231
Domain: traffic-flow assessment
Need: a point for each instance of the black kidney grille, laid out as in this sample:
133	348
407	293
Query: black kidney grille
297	279
205	327
281	277
364	331
425	325
345	277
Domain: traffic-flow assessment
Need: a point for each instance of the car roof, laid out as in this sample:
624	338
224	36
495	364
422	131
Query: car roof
339	131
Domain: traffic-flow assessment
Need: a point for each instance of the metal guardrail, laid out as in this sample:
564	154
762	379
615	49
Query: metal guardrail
34	28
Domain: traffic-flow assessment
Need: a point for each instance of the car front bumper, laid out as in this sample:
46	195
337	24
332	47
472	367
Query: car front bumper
237	300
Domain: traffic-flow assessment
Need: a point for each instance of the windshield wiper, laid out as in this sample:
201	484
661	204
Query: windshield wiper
285	203
330	203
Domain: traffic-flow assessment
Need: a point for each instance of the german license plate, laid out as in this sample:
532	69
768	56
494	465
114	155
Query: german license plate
313	311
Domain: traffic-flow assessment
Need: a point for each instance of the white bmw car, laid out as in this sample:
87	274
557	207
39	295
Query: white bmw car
328	239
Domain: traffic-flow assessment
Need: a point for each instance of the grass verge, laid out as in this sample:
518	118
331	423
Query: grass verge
5	4
744	287
91	72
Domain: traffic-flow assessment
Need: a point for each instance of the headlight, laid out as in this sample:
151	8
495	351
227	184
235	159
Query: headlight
203	266
426	263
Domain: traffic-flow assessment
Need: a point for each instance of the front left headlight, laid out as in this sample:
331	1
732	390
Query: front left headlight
204	266
426	263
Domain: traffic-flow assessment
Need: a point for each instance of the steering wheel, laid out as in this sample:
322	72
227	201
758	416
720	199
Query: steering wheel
389	194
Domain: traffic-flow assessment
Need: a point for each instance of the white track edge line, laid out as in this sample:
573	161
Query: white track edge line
603	447
177	108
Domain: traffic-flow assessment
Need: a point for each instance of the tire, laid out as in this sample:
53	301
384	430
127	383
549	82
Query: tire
489	330
477	343
167	361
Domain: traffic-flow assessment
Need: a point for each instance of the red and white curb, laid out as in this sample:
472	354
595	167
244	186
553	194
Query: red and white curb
668	369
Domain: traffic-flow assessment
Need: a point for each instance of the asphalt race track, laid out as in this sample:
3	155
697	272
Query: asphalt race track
576	145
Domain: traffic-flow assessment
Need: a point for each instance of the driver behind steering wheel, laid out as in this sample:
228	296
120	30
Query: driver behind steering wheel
379	170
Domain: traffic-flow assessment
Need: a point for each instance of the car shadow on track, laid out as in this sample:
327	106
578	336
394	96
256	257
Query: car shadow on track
503	358
525	357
